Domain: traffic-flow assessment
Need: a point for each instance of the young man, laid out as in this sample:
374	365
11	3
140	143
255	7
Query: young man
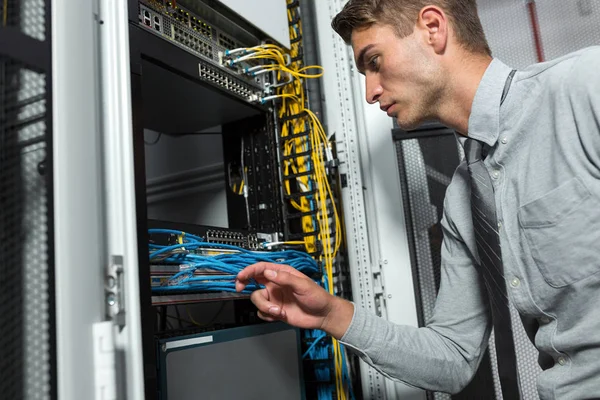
540	127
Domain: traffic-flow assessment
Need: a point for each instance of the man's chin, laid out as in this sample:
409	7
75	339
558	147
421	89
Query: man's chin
409	124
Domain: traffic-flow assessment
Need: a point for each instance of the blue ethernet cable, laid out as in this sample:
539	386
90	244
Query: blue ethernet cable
229	264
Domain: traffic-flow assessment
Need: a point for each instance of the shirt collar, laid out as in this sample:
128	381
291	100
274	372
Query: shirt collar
484	122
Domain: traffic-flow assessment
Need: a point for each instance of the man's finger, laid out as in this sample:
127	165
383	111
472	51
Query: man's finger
260	298
298	284
266	317
256	271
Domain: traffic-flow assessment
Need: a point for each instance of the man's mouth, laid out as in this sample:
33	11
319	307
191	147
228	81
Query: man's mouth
387	108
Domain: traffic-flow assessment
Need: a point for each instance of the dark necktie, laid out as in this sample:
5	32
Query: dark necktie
485	224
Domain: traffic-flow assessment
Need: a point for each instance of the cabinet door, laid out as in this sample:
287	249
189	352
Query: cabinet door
97	296
27	313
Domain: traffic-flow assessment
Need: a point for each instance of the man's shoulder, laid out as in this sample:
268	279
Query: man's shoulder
572	67
585	68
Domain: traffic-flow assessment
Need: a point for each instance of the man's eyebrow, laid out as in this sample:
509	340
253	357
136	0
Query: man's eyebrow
360	62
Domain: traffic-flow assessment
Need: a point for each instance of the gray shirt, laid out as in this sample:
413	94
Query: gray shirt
544	161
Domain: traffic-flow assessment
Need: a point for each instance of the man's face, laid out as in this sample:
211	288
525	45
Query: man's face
402	75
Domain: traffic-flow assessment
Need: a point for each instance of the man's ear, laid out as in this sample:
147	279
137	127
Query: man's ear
433	22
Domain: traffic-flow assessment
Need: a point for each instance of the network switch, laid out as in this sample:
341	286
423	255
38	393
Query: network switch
189	32
244	239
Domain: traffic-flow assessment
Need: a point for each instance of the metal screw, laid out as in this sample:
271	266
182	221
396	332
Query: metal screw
41	167
111	299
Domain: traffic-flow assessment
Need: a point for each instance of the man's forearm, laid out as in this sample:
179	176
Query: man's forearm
339	317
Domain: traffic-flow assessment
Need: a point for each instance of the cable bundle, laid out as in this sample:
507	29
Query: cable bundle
306	152
185	254
304	137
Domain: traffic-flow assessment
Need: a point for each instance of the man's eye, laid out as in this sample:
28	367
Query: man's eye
373	63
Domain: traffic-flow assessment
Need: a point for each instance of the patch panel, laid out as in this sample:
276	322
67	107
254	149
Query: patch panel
201	27
246	241
228	82
182	16
226	42
192	41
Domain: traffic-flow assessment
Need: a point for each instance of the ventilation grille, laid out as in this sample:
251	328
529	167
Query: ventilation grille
565	26
25	313
29	16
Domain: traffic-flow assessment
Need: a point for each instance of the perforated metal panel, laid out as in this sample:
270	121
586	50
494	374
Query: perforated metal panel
26	301
527	356
24	296
508	31
426	263
11	246
565	26
29	16
526	360
426	178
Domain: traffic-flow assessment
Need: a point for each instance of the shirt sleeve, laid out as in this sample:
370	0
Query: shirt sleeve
444	355
583	88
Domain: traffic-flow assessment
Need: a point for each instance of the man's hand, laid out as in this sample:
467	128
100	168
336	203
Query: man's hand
294	298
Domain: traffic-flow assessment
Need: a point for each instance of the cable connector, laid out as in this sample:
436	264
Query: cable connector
264	100
242	50
333	163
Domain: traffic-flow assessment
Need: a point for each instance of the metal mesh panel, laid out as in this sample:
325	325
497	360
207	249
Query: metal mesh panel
426	178
527	364
25	360
29	16
508	30
527	356
566	26
425	172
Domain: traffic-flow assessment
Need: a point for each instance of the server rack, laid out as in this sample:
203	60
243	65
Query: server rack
162	69
178	89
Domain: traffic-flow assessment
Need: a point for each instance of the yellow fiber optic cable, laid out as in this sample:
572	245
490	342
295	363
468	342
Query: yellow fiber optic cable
5	13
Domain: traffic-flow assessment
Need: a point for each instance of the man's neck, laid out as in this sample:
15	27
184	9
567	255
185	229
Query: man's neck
465	75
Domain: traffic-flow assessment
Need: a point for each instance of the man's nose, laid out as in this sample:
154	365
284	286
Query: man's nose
373	89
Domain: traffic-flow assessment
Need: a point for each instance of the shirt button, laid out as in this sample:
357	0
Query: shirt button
504	140
562	360
545	320
495	174
515	282
499	224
